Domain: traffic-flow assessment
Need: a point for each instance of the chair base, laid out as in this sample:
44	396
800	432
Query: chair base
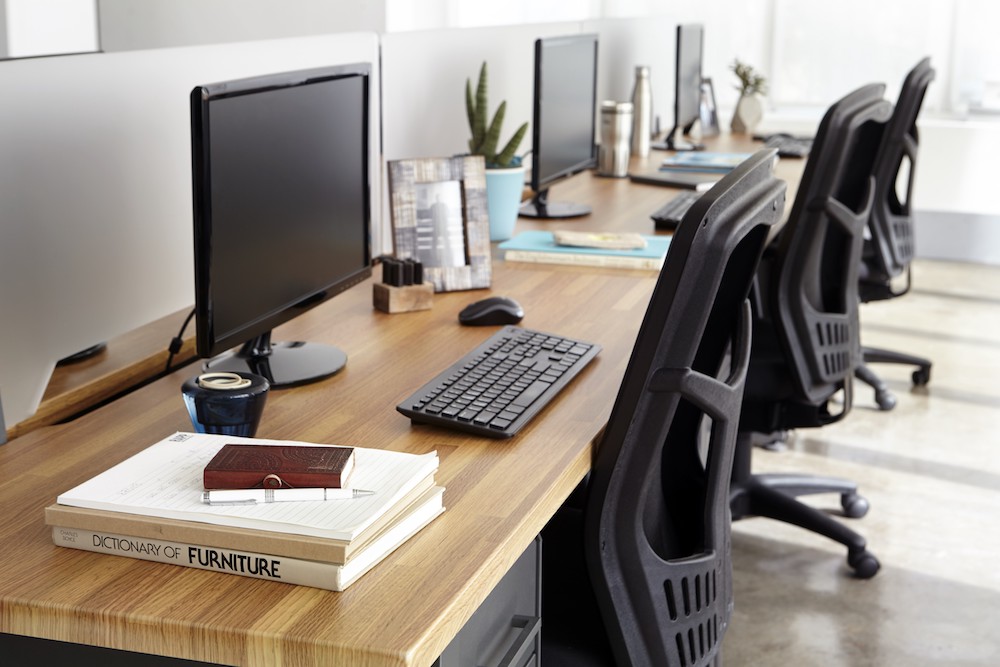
883	397
773	496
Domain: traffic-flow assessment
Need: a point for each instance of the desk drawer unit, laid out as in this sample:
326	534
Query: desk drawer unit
506	629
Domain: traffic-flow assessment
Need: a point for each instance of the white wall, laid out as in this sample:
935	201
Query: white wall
47	27
652	40
95	185
423	85
149	24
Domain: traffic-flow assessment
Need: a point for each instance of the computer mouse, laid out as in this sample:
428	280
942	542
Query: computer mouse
491	310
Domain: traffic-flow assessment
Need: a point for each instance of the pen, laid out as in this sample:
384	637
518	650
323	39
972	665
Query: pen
254	496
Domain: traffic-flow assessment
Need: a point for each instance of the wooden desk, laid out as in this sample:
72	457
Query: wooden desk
406	610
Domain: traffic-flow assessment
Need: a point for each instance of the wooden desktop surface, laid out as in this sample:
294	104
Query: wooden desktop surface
408	608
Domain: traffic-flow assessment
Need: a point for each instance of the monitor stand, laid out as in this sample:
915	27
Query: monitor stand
541	207
283	364
672	143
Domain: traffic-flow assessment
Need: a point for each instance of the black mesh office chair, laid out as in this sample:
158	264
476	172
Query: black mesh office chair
639	572
805	336
887	254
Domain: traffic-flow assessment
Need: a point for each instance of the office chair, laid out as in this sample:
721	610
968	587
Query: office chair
805	327
639	572
887	254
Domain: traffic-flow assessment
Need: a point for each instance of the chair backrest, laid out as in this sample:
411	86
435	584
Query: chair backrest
887	254
813	275
657	513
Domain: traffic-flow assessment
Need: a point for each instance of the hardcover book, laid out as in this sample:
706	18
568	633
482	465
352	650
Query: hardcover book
253	561
165	481
240	466
305	547
539	246
688	180
715	163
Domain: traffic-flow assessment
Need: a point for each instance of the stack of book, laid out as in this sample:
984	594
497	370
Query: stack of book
544	247
703	162
151	507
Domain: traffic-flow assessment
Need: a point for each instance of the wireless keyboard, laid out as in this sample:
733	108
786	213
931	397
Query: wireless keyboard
789	146
668	216
496	388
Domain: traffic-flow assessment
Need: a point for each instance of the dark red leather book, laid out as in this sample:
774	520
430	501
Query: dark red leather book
279	466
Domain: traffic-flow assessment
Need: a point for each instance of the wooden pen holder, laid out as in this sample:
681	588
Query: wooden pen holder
404	299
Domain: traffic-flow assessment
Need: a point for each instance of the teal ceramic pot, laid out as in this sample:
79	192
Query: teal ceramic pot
503	195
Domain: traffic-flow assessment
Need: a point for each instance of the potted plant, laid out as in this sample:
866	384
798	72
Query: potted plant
504	172
750	107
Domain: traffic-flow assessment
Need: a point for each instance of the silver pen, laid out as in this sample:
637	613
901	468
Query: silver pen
255	496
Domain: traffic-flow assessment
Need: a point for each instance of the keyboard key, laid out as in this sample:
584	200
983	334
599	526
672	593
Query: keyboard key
531	393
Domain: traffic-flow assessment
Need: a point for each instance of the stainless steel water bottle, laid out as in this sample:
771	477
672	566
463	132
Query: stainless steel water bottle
616	132
642	111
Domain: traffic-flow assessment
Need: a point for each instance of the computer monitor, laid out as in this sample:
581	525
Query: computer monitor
687	87
564	120
281	185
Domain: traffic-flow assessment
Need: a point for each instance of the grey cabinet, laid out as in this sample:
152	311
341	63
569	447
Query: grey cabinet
506	629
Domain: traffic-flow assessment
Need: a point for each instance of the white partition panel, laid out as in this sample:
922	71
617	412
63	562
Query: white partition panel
95	191
424	76
423	88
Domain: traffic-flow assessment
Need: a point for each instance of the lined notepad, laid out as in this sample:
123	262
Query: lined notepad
165	480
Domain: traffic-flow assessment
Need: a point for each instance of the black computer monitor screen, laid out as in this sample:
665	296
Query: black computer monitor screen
281	213
687	86
564	119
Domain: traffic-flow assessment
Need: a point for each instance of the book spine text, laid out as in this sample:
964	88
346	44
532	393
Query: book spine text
259	566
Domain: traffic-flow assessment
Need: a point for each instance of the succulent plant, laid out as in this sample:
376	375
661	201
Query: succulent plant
486	137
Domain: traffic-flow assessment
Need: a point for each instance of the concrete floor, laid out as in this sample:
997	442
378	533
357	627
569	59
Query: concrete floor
931	471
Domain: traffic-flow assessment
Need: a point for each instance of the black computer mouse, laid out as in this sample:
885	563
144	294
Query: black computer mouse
491	310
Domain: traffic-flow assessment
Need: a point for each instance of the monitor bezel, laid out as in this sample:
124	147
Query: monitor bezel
683	126
209	342
539	181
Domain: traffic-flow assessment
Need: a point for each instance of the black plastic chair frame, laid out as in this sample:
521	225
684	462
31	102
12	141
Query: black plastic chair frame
888	253
655	523
806	339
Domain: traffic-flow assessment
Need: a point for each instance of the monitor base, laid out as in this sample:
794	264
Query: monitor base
540	207
284	364
679	146
672	142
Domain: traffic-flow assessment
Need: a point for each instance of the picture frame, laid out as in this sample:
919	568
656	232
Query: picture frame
708	112
440	218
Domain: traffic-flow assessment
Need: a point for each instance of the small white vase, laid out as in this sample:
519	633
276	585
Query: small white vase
749	111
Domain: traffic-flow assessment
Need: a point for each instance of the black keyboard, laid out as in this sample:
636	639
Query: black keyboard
497	388
668	216
789	146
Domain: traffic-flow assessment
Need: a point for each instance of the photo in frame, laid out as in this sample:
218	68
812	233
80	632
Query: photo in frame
708	113
440	218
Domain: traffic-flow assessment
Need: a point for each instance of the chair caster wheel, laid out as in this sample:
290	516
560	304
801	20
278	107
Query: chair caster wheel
885	399
921	377
864	564
854	506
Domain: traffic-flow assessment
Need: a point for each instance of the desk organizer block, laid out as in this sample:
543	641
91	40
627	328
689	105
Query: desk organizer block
404	299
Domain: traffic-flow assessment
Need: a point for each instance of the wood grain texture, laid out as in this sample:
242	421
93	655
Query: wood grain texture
126	362
407	609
